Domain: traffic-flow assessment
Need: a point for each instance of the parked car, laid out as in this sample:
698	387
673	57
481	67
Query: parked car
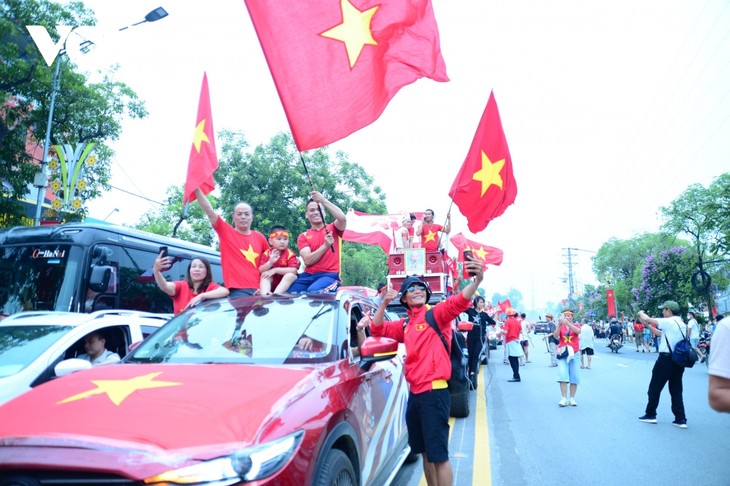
541	327
260	390
33	343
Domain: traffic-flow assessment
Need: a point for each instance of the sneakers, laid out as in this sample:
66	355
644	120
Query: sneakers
563	402
572	402
682	424
649	419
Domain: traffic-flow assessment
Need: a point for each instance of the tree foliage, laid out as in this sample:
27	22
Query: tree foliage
665	276
85	111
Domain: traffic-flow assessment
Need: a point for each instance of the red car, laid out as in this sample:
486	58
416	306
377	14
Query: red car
251	390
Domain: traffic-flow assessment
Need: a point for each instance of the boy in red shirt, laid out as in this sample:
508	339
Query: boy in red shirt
279	264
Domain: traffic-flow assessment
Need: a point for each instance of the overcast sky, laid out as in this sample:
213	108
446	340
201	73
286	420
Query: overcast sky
610	108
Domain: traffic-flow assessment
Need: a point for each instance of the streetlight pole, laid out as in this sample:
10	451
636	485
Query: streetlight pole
41	179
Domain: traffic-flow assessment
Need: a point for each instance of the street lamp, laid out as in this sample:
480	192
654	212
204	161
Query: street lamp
41	178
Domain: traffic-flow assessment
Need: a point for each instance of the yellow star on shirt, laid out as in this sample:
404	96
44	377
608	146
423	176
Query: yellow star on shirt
489	173
354	30
119	390
430	236
200	135
250	255
567	339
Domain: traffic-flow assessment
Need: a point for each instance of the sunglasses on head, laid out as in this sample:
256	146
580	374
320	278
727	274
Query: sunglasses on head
415	287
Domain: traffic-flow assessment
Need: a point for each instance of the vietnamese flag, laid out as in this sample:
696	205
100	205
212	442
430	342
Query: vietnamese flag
485	185
485	254
611	303
372	229
203	159
336	65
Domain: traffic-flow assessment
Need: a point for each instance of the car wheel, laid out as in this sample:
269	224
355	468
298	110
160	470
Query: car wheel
336	470
460	402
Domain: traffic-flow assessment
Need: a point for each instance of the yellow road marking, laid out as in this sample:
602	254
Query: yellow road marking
482	468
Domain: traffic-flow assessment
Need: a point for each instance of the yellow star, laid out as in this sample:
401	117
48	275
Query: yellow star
118	390
430	236
567	339
354	30
489	173
481	253
200	135
250	255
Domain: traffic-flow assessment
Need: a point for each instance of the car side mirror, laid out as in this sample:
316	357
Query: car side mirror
68	366
375	349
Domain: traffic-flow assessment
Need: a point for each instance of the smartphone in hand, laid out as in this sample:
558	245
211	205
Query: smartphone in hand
163	251
467	257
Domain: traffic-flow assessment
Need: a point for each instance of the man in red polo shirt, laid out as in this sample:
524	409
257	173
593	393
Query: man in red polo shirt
322	264
241	247
428	367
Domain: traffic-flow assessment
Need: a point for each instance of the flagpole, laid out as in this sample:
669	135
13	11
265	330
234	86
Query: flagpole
319	207
448	215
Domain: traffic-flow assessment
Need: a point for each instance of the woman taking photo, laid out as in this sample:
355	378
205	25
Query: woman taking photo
197	286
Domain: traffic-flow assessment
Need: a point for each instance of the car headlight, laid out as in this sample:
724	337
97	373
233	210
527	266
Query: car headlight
249	464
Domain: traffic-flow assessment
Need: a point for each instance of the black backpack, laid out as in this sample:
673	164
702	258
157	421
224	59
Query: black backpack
683	354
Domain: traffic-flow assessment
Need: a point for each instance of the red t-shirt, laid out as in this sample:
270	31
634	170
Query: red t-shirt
184	294
430	236
514	328
240	255
288	259
568	338
426	358
312	238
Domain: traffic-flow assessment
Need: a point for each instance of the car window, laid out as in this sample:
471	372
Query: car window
21	345
246	331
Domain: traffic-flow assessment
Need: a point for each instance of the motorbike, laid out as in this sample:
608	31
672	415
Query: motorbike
703	344
614	343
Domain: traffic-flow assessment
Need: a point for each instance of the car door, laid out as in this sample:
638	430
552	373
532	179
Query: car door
379	405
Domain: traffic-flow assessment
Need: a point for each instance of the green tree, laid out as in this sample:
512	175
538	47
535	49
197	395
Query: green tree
698	213
665	276
618	265
85	111
164	220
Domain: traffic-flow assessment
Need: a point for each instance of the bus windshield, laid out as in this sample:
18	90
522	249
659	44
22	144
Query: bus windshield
38	277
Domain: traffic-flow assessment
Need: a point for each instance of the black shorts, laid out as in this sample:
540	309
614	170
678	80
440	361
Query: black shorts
427	418
588	351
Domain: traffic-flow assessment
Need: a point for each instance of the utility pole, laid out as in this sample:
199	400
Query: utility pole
569	262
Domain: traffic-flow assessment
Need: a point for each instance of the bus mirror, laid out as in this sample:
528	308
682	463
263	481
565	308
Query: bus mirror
99	278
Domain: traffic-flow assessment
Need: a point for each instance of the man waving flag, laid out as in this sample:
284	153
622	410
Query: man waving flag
485	185
203	158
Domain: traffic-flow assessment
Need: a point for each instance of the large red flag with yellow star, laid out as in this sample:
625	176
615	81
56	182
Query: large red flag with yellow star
336	65
203	158
485	185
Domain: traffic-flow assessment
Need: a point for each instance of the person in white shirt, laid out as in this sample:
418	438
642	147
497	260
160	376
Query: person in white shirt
694	333
670	329
719	389
586	343
525	337
96	352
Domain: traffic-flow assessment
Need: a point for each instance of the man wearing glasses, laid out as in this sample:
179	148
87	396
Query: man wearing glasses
428	366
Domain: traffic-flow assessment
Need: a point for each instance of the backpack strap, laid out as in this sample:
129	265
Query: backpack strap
432	322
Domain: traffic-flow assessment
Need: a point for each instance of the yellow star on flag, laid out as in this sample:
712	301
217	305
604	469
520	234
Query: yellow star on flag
430	236
119	390
489	173
481	252
250	255
354	30
200	135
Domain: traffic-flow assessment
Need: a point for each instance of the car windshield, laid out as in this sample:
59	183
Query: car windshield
261	331
21	345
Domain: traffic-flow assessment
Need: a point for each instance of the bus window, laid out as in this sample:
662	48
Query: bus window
38	277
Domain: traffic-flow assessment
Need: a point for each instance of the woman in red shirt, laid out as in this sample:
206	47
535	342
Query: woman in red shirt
198	284
512	329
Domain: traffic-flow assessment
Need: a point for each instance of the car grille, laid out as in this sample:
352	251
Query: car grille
62	478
